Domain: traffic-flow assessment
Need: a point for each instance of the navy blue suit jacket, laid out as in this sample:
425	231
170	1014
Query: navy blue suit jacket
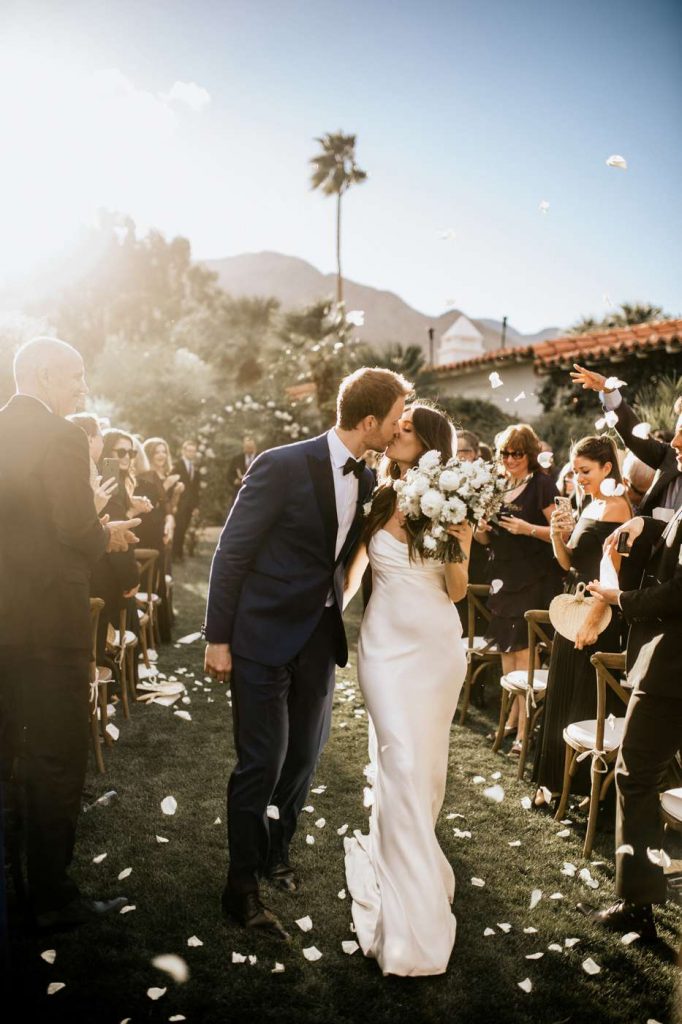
275	561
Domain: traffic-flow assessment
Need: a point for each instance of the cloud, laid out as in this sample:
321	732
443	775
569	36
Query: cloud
188	94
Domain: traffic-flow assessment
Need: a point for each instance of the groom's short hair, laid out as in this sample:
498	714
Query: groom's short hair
369	391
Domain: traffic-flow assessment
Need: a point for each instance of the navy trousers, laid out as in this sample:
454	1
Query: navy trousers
281	717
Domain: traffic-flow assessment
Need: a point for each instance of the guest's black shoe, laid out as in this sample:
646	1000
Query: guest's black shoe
247	909
624	917
77	912
282	877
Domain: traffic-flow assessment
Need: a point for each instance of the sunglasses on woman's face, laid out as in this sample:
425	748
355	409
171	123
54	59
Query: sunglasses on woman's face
123	453
506	454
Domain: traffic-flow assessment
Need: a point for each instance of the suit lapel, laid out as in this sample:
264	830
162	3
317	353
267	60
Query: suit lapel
365	488
321	474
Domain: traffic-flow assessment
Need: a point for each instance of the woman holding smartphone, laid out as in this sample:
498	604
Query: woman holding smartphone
571	693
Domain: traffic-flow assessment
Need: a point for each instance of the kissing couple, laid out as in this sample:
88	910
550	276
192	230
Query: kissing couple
292	552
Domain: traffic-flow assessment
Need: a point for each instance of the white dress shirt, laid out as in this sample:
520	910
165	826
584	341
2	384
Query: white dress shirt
345	493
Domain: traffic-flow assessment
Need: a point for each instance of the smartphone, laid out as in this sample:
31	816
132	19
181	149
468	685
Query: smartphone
622	546
564	504
110	469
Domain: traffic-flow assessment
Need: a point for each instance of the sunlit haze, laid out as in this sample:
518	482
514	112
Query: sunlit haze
200	120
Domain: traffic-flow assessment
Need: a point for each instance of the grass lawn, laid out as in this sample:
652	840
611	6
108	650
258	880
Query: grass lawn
175	888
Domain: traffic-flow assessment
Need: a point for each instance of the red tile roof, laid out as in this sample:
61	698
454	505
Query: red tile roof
611	344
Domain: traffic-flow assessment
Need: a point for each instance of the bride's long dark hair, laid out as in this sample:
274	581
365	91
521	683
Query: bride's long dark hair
435	432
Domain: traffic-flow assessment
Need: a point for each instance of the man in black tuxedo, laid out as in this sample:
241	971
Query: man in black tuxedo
50	537
240	465
653	724
274	620
187	469
664	495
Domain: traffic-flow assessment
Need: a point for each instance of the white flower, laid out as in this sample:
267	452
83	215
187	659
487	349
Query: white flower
367	508
419	485
429	460
449	480
432	503
457	510
429	543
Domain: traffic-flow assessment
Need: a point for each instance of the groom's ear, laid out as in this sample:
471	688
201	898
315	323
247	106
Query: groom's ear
369	423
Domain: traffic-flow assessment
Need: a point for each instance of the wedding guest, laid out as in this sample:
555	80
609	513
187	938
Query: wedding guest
571	692
637	477
664	495
653	724
485	452
50	537
188	472
521	569
468	446
102	489
240	464
163	488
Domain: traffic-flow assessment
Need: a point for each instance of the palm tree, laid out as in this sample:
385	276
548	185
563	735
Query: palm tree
334	171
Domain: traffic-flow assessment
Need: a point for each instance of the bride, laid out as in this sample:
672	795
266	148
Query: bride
411	667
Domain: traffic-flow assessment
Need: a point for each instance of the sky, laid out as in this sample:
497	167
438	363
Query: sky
199	118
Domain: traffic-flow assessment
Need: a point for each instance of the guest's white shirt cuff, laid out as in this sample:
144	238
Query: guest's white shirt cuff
610	400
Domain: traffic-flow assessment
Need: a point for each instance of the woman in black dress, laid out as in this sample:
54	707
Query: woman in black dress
521	569
571	692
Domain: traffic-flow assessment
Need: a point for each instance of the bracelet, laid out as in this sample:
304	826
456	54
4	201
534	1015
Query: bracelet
533	531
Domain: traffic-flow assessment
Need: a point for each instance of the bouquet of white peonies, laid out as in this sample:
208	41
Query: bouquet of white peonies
433	496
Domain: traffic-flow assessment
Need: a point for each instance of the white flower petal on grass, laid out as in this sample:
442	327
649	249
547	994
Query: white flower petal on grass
128	908
585	876
526	985
496	776
526	803
543	206
496	585
564	833
172	965
614	383
237	958
495	380
478	779
570	943
320	823
162	839
489	931
514	842
169	805
309	808
477	882
547	794
504	927
535	898
124	874
305	924
534	956
189	639
555	947
156	993
184	715
113	731
565	821
494	793
452	815
545	459
625	848
590	967
342	831
461	833
49	955
367	797
630	937
530	931
642	430
253	960
658	857
310	840
341	894
194	942
273	812
55	986
99	858
278	968
217	822
349	946
312	953
616	160
318	789
177	1016
569	869
556	896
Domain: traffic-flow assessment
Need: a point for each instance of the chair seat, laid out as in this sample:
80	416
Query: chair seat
671	801
142	597
480	645
517	681
129	638
584	734
104	674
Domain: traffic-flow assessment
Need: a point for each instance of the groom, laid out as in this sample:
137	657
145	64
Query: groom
274	622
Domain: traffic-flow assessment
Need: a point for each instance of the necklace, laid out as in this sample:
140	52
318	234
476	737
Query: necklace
519	483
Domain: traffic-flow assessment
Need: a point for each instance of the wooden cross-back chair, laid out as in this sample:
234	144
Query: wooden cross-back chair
598	739
530	683
480	653
147	599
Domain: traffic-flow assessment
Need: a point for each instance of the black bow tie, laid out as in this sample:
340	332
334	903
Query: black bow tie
355	466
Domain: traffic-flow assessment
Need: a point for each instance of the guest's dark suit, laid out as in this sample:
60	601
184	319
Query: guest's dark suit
657	454
50	536
653	731
187	502
273	568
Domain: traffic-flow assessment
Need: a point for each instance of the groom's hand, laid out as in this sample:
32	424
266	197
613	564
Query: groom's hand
218	661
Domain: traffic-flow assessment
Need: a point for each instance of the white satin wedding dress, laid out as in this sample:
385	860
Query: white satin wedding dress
411	667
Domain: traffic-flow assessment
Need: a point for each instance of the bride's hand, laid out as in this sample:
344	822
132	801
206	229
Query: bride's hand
462	531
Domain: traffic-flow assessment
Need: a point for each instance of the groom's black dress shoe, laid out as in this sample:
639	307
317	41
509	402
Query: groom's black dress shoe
624	917
282	876
77	912
247	909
